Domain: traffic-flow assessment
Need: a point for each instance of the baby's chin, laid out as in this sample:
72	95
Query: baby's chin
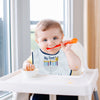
52	52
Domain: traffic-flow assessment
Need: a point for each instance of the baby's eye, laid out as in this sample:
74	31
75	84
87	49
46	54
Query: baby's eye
54	38
44	39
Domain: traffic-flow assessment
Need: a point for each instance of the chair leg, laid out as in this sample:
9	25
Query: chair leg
95	95
52	97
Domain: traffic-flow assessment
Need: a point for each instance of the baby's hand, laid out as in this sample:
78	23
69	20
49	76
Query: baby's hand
66	47
28	66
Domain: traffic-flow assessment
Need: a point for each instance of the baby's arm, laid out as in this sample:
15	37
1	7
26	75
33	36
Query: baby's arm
74	61
27	65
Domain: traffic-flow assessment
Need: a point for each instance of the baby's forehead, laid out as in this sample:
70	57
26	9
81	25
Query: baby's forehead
49	32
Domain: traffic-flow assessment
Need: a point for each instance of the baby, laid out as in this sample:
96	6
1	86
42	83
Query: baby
60	60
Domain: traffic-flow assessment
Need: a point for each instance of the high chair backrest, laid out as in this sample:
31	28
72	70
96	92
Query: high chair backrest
80	51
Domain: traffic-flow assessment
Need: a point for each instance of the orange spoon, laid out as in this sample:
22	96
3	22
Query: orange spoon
74	40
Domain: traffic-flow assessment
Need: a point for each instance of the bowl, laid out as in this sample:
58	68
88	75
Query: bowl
30	74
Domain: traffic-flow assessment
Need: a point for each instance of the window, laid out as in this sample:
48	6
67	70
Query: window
59	10
5	56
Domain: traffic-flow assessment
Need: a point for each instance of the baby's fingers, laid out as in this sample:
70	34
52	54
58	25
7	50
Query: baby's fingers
32	67
29	67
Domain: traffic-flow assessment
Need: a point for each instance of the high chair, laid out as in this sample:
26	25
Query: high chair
79	50
82	83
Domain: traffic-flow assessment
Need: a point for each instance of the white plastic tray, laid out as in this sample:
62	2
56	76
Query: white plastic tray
82	85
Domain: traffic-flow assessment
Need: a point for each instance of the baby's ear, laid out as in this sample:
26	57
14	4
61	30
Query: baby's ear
36	41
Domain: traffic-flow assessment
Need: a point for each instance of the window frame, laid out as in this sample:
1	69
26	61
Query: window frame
68	18
20	30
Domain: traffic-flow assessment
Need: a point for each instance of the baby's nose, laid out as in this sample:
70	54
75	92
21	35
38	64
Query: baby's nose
50	43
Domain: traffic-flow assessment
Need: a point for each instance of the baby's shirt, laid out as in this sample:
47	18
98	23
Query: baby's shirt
55	64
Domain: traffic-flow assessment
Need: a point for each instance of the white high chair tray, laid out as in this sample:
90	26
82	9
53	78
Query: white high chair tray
82	85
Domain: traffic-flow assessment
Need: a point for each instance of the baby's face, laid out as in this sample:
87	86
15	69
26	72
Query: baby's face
49	39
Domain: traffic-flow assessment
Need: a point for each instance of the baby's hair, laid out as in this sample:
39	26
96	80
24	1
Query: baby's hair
46	24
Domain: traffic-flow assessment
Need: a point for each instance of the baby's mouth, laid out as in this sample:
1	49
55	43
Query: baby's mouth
48	48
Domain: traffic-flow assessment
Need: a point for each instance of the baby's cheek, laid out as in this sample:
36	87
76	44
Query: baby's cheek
43	46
